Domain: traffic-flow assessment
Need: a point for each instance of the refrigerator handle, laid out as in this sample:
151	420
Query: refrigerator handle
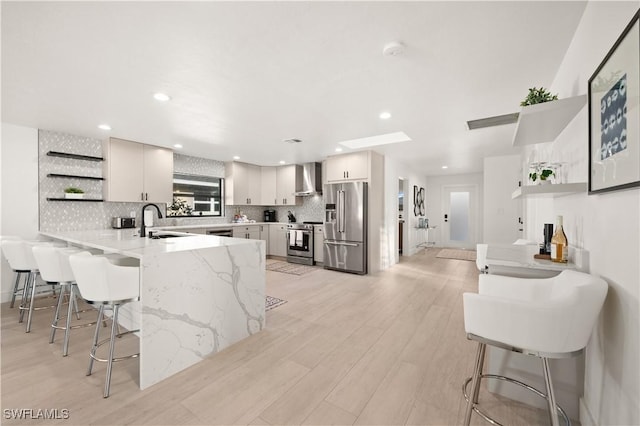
341	211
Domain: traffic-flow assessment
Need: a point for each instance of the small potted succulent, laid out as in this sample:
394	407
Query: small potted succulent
73	192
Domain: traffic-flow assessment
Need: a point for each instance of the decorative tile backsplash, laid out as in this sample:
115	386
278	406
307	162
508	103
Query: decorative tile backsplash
74	215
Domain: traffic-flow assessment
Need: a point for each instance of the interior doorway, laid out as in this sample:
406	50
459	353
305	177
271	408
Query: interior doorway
402	229
459	216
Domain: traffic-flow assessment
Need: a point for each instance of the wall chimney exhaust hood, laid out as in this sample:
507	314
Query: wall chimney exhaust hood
311	182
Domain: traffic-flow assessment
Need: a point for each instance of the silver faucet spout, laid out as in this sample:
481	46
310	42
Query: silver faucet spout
143	227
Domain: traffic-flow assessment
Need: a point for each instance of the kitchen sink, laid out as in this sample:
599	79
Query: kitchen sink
162	236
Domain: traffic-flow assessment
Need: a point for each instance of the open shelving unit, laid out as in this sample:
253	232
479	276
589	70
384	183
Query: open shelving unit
68	176
549	190
543	122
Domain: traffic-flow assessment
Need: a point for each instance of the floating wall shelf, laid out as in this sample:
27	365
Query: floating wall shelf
57	175
549	190
75	199
74	156
543	122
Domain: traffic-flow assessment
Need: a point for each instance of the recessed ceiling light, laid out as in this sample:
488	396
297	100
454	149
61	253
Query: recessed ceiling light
235	157
385	115
283	162
177	146
104	127
162	97
395	48
376	140
445	167
338	149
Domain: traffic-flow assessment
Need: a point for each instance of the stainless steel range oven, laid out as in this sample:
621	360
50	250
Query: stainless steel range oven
300	243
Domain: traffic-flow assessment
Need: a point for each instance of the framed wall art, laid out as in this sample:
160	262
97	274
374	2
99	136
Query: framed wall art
614	115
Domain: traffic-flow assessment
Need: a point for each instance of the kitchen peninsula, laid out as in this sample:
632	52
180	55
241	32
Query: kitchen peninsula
198	294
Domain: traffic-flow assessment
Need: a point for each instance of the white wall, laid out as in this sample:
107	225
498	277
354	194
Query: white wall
607	226
393	172
433	202
501	212
19	183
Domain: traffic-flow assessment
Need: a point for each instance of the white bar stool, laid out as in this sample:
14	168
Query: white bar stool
19	254
547	318
17	289
110	286
53	263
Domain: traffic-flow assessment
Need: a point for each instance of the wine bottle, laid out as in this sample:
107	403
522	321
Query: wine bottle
559	244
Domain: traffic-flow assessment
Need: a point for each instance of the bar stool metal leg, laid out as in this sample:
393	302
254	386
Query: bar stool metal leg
475	383
112	342
56	318
25	296
32	300
67	330
16	287
96	335
551	398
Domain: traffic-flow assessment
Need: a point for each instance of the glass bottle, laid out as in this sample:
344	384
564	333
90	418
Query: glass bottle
559	244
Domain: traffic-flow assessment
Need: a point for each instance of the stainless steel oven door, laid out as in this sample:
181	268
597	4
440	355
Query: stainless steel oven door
300	242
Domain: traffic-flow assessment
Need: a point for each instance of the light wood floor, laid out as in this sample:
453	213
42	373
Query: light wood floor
383	349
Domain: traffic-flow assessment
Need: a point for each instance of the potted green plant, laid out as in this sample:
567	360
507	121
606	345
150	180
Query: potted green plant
179	207
73	192
538	96
543	174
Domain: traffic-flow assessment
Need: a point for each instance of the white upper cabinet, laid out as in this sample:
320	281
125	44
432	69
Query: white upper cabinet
242	184
346	167
269	194
278	185
286	185
137	172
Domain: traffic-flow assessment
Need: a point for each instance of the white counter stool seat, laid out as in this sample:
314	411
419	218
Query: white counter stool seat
547	318
109	285
19	254
54	267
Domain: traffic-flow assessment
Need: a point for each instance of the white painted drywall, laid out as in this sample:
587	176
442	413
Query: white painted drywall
607	226
19	183
501	212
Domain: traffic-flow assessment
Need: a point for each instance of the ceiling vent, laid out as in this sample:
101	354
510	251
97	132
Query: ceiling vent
498	120
292	140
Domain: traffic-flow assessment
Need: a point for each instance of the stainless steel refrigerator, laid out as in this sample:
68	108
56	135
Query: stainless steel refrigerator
345	227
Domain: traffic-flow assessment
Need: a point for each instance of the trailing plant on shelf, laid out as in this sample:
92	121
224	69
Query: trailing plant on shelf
538	96
543	174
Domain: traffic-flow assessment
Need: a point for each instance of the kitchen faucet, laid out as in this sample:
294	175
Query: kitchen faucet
143	231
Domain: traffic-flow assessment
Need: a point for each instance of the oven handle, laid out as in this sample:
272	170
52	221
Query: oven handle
341	244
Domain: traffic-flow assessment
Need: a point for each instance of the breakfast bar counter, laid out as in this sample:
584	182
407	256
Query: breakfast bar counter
198	294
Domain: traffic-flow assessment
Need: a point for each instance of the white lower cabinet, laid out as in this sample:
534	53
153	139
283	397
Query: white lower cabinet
251	232
277	240
318	243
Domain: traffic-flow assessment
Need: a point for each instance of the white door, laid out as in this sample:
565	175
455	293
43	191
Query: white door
459	216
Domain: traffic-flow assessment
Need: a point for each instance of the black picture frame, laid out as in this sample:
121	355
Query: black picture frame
614	115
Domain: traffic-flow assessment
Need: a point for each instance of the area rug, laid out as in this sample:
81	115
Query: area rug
457	254
290	268
273	302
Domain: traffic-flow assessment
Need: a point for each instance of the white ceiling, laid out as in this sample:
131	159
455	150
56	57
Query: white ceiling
243	76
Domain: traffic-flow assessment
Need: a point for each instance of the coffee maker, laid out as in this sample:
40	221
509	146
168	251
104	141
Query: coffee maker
270	215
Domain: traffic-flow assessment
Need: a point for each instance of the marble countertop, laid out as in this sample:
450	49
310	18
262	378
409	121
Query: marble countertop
129	243
521	256
216	225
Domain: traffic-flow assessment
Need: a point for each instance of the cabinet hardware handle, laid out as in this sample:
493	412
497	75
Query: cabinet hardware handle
146	196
